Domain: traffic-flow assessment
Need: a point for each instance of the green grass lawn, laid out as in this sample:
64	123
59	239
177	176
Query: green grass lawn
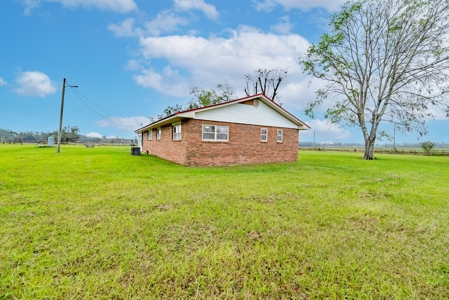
100	223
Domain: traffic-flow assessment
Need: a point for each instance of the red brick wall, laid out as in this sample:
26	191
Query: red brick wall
244	145
166	148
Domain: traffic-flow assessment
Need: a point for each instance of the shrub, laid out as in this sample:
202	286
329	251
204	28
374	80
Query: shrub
427	147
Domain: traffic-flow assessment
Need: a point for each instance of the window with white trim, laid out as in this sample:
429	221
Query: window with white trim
215	133
177	132
279	136
150	135
263	134
158	133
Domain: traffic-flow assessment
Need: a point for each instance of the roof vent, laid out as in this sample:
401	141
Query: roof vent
256	103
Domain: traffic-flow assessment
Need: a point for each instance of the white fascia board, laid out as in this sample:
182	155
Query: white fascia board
160	123
187	115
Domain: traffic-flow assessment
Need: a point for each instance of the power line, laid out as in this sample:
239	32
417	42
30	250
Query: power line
78	92
105	118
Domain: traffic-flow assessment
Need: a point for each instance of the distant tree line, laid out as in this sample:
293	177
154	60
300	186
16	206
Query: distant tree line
69	134
108	140
415	145
378	145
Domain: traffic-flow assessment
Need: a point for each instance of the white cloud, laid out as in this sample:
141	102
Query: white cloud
120	6
268	5
125	29
29	6
94	135
193	32
111	137
165	21
133	64
34	83
128	124
169	82
284	26
214	60
206	62
299	89
208	9
2	82
437	113
149	79
325	131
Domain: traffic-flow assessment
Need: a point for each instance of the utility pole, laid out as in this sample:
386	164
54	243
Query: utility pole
60	117
62	112
313	145
394	139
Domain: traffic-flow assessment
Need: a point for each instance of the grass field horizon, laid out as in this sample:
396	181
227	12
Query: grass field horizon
101	223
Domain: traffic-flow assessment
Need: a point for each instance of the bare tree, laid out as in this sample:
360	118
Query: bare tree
383	61
265	81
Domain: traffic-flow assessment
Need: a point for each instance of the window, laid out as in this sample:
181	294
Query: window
177	132
150	135
263	134
158	133
279	136
215	133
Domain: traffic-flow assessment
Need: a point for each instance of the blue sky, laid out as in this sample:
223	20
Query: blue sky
132	58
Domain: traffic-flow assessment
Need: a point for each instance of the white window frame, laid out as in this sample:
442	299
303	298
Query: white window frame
158	133
176	131
262	139
279	135
150	135
215	139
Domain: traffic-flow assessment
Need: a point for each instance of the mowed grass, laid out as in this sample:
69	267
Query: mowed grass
100	223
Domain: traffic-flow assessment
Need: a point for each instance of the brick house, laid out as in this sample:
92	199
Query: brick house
249	130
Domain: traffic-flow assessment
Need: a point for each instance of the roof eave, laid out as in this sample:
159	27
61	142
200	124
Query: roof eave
161	122
285	113
190	114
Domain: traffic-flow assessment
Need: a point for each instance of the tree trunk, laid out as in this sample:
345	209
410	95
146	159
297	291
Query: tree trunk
369	149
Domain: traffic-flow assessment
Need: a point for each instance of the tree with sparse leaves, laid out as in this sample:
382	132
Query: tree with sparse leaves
201	97
265	81
69	134
172	109
383	61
